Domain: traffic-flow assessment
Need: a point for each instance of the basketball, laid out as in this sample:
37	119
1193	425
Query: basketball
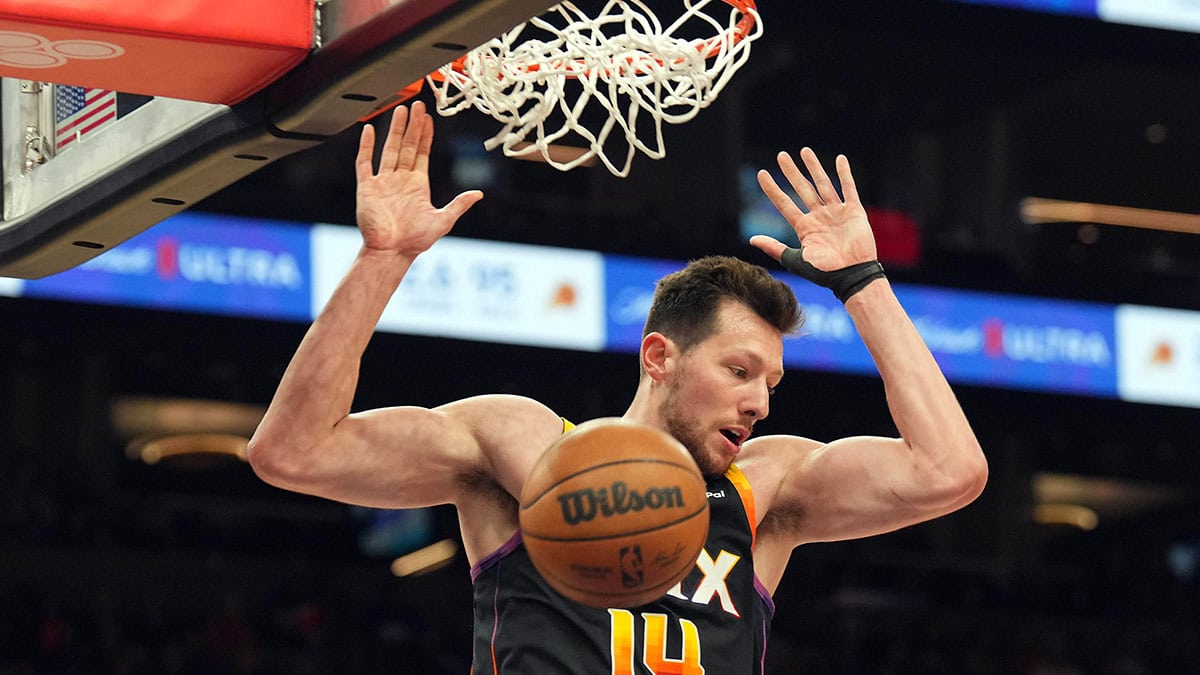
614	513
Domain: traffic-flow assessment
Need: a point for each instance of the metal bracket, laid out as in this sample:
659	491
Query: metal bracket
38	114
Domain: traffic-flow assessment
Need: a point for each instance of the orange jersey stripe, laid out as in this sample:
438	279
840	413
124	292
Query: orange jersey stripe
735	476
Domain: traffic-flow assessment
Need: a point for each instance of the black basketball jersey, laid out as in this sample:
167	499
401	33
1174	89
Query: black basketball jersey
715	621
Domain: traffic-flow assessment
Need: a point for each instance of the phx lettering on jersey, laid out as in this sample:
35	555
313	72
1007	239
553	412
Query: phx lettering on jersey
582	506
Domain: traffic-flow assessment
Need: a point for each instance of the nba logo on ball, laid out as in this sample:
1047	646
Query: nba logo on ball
632	575
614	513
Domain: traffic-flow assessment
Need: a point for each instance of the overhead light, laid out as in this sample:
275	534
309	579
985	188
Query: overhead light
1082	501
1072	515
1040	210
425	560
154	449
134	416
191	433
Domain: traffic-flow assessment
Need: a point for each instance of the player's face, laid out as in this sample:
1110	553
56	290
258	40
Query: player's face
723	386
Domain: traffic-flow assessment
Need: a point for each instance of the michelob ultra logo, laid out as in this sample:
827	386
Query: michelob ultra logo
584	505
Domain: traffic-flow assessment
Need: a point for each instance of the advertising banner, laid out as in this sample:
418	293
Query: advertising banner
197	262
571	299
484	290
1160	355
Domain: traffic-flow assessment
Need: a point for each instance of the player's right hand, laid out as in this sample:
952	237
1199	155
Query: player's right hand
394	208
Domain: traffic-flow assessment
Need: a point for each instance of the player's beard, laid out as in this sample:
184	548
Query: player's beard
685	428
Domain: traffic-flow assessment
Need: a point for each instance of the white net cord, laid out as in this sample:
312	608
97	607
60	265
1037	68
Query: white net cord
617	65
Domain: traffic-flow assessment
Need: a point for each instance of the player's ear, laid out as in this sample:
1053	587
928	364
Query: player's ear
657	352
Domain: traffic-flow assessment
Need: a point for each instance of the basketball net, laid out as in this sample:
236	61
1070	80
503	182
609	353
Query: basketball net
617	67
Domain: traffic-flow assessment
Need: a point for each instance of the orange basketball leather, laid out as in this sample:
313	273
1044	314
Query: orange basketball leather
614	514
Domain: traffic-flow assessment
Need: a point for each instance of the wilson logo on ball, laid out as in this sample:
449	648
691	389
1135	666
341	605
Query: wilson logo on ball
582	506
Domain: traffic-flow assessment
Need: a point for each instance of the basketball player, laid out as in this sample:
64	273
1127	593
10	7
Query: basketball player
711	356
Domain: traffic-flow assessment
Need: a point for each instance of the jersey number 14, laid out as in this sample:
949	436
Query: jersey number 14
654	646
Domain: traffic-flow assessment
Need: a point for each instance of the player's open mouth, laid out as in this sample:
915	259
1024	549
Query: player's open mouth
734	436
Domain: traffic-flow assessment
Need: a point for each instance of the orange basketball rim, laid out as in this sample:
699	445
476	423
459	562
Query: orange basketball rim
709	47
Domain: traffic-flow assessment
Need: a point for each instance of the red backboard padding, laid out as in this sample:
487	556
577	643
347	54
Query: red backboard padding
199	50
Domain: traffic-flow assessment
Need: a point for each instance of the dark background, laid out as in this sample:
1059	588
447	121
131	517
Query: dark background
949	112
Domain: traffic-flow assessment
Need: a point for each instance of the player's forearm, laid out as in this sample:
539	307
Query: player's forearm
318	387
923	406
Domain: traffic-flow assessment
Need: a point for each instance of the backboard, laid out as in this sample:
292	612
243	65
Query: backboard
88	164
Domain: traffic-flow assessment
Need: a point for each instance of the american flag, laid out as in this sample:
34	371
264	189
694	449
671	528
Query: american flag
79	111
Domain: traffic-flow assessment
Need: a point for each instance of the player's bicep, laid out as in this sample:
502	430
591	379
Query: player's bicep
407	457
411	457
850	488
399	457
509	433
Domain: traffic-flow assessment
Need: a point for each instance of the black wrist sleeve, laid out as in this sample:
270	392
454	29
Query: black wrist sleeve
844	282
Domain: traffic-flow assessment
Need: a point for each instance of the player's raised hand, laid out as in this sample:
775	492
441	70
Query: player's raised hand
834	233
394	208
837	247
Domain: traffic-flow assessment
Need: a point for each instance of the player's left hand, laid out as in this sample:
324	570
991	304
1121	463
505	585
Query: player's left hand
835	232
